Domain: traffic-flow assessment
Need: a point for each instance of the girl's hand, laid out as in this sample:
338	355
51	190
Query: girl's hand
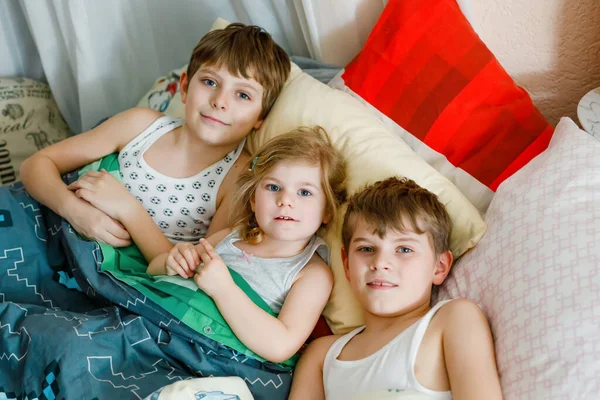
213	277
94	224
182	260
106	193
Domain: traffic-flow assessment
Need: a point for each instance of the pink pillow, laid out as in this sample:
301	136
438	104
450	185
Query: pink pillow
536	272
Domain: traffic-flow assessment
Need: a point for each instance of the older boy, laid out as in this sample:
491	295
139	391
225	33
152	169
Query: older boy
395	248
181	171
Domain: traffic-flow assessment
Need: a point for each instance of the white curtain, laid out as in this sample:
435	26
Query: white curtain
100	57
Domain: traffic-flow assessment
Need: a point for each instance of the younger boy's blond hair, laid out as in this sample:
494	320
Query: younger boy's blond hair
310	145
392	204
248	51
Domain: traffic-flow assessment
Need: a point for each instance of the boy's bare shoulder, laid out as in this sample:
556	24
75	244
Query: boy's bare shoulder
318	348
458	315
143	115
125	125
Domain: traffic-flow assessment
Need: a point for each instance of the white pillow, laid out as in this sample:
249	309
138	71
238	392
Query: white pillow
30	120
536	272
217	388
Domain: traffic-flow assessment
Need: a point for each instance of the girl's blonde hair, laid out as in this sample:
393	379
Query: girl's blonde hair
310	145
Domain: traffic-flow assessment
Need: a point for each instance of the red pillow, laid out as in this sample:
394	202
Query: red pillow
425	68
321	329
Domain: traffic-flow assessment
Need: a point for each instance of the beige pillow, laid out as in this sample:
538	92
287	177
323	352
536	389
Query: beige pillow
29	121
372	153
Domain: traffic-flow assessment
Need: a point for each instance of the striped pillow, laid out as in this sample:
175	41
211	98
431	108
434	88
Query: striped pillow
427	72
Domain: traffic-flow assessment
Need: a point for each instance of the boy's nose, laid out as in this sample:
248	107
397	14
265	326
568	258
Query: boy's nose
219	100
380	262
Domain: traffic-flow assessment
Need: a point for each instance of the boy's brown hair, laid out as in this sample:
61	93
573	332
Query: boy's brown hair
310	145
248	51
394	202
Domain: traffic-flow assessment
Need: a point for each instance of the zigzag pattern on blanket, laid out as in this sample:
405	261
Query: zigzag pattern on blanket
111	340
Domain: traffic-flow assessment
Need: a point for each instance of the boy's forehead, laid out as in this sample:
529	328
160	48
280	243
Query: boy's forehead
366	229
217	67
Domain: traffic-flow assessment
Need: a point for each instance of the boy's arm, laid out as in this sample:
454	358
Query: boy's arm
307	383
41	173
469	352
109	195
277	339
145	233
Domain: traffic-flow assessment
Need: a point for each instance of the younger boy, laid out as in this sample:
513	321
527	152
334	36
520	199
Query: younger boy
395	248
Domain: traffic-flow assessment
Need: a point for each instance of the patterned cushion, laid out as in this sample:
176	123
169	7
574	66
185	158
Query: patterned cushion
30	121
425	71
536	272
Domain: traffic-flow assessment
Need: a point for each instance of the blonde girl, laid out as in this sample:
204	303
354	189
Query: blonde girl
293	186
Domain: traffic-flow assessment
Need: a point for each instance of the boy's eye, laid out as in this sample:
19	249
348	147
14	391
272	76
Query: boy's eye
244	96
273	188
209	82
404	250
304	192
366	249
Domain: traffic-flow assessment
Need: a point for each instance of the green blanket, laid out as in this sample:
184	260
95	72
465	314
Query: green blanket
180	297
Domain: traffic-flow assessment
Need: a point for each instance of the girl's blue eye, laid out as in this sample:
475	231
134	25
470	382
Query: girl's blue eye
244	96
404	250
209	82
273	188
304	192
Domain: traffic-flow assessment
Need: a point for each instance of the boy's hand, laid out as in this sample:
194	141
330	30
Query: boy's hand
94	224
212	275
106	193
182	260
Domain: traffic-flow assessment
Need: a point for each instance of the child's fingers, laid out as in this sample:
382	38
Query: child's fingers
180	259
209	249
91	174
204	257
196	256
73	186
81	184
189	257
174	266
84	194
116	229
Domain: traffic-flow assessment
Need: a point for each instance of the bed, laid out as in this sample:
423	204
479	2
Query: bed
522	192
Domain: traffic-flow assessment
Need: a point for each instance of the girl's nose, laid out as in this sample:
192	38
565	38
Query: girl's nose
285	199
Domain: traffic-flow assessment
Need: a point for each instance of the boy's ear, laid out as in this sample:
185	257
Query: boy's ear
183	86
442	268
258	123
345	262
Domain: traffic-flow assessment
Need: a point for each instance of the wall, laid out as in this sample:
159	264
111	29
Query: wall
550	47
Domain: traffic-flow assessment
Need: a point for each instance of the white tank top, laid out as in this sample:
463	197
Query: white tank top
181	207
391	368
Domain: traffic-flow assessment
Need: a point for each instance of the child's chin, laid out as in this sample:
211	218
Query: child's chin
383	310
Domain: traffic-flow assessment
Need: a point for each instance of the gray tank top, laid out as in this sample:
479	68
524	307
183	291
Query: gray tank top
271	278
